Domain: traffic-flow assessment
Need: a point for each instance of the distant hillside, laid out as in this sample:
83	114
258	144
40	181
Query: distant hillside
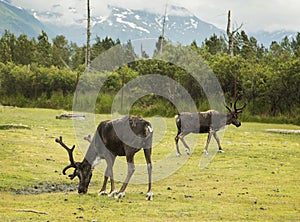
266	38
180	26
18	21
124	24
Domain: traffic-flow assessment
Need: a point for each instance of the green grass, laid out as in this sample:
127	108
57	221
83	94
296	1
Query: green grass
257	178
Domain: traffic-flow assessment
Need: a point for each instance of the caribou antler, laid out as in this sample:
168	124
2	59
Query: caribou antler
238	110
70	152
228	108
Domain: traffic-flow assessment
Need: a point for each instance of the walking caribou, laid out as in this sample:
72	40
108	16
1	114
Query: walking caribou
209	122
120	137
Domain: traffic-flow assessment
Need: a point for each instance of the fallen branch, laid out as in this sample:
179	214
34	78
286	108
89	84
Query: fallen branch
71	116
32	211
13	126
284	131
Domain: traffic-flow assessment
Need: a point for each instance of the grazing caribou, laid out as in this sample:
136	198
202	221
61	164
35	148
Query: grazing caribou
120	137
209	122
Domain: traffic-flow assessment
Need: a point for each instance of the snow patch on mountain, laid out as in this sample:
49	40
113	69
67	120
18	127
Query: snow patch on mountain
131	25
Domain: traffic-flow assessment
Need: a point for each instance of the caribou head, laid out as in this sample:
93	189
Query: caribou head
83	170
232	116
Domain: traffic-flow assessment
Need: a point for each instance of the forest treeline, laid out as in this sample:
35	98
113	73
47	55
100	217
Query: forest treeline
44	73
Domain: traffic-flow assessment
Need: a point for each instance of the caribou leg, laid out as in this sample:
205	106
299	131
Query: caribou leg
130	152
147	153
218	141
208	141
112	192
187	149
176	142
110	173
103	189
131	169
110	160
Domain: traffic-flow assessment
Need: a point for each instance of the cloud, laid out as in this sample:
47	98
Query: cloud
255	14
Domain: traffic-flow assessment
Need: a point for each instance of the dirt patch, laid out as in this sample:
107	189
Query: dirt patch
46	188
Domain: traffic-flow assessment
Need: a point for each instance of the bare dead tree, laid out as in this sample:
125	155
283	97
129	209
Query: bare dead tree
88	47
163	29
230	34
231	40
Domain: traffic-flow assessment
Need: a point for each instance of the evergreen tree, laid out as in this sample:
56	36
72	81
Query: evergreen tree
43	55
215	44
24	50
7	46
296	45
60	52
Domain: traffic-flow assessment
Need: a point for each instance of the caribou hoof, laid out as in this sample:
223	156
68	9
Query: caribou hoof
178	154
221	151
120	195
205	152
102	193
112	193
187	151
149	196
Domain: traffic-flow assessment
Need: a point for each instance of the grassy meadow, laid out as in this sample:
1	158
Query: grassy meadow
256	179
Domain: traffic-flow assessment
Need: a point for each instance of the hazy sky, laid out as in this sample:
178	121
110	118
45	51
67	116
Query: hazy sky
268	15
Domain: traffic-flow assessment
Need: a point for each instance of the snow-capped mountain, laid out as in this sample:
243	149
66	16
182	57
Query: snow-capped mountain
180	25
266	38
124	24
18	21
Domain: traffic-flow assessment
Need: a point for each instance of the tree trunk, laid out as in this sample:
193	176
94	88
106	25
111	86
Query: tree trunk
229	35
88	48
